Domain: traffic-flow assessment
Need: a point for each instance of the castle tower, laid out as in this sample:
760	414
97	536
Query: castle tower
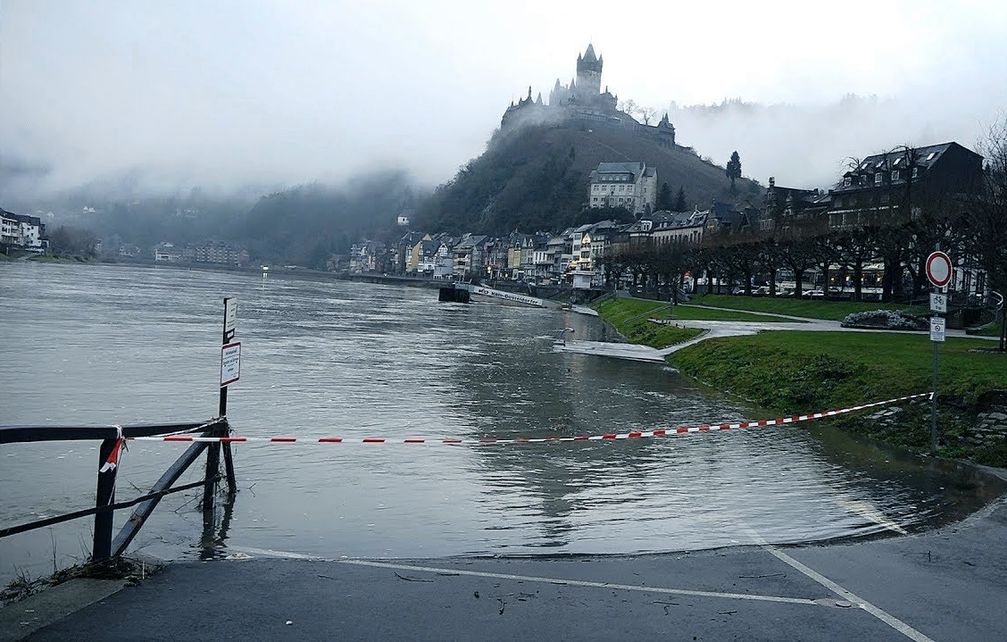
589	73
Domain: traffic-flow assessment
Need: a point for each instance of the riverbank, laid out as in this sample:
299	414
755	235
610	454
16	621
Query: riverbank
791	372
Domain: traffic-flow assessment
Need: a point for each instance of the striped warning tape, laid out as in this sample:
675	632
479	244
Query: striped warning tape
472	441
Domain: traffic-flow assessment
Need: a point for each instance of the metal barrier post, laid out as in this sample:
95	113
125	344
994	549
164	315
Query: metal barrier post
212	470
104	495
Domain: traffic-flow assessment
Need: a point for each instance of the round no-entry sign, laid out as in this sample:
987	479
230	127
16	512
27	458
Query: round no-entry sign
939	269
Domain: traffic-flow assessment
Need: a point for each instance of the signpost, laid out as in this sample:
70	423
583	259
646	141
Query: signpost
230	372
939	272
230	318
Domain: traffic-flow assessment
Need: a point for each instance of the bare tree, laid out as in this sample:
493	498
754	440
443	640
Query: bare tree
989	214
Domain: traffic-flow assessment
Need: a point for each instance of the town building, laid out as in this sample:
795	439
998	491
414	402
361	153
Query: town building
22	232
632	186
678	227
167	253
893	188
219	253
790	208
468	256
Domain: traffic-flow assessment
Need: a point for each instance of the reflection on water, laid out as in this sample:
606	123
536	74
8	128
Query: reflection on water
320	358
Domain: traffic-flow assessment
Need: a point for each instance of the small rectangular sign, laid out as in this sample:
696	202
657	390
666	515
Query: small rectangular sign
938	302
937	329
230	317
230	363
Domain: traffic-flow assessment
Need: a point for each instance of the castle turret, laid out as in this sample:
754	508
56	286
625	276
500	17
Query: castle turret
666	131
589	69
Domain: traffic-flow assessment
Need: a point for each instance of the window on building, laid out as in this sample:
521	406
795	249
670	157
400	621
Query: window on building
916	172
895	175
878	178
847	181
930	156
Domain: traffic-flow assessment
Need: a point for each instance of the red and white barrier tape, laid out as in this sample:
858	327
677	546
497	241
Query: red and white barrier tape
482	441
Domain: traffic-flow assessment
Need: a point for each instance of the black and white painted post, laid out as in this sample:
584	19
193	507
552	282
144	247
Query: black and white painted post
939	273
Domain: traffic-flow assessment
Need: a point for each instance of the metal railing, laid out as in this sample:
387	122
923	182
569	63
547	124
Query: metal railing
112	441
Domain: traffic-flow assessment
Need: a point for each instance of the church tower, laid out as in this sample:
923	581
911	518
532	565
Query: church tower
589	73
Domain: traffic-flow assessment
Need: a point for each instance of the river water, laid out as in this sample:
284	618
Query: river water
115	344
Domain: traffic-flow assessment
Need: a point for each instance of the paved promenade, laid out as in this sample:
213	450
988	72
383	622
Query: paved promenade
946	585
713	329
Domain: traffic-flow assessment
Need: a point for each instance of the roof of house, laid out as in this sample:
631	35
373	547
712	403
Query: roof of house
634	169
924	157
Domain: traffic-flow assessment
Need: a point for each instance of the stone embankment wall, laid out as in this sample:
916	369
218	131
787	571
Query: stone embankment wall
990	426
976	431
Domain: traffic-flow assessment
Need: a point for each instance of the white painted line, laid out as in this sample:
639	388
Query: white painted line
604	585
850	596
841	591
869	512
268	552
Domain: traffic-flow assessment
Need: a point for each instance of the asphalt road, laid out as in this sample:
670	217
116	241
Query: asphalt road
946	585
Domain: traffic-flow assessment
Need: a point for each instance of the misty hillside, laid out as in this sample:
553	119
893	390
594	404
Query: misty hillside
536	178
309	223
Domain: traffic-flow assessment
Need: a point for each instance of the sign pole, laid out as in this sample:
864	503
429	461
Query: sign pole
933	398
230	326
939	272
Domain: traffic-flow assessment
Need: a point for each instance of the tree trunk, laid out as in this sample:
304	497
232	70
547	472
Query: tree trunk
887	280
799	283
858	278
772	282
748	283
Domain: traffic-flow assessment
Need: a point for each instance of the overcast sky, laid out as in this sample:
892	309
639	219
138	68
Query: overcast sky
224	94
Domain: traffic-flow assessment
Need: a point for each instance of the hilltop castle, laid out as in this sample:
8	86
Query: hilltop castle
582	100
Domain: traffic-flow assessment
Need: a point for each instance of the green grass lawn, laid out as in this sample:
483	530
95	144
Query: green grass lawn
799	371
624	308
810	308
629	317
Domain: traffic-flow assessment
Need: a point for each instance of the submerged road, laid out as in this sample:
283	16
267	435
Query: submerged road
946	585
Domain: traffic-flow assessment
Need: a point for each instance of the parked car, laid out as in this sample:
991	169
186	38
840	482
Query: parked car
817	293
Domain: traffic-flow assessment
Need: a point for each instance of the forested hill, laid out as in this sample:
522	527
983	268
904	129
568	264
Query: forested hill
309	223
536	178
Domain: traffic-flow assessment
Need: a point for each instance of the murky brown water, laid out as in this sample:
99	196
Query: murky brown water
107	344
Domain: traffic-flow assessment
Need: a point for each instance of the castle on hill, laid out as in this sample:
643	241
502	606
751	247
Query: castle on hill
583	101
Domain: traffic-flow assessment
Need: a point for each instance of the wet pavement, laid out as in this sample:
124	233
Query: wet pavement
948	584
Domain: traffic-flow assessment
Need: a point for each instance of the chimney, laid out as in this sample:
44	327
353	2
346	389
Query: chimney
772	181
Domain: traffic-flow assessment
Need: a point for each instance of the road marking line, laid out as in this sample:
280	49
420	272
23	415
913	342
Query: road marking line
841	591
869	512
268	552
583	583
850	596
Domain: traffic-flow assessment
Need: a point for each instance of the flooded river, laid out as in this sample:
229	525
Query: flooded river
108	344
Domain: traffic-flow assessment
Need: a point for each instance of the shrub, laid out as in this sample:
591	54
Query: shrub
884	319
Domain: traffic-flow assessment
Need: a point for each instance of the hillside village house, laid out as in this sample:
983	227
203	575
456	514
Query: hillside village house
468	256
629	185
